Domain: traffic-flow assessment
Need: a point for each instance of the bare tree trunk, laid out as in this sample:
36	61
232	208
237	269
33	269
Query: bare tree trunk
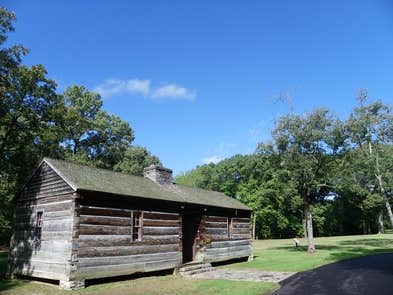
382	190
378	175
390	214
304	220
364	228
254	222
380	223
310	235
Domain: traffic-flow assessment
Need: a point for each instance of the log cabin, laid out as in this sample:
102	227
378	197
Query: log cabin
73	223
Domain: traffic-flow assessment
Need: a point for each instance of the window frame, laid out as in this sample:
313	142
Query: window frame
229	227
39	224
134	227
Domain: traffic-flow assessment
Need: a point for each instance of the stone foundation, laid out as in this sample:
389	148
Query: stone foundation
72	285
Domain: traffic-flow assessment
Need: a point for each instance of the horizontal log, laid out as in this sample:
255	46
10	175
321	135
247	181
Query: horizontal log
39	255
118	260
48	216
156	230
228	243
124	240
241	225
228	249
47	193
240	220
47	207
41	274
160	222
216	224
123	269
51	199
49	265
46	235
160	215
127	250
235	231
105	220
226	256
215	219
85	229
48	225
216	231
51	246
214	238
57	225
101	211
52	181
240	236
57	215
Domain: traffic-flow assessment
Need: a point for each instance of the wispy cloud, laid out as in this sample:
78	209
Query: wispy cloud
212	159
114	87
219	152
173	91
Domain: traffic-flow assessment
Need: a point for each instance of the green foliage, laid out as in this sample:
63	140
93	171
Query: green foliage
135	159
36	121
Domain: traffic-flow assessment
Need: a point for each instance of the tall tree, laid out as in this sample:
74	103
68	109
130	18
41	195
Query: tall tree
370	127
306	145
28	115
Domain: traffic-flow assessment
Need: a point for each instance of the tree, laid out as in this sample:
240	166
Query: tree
135	159
28	118
306	145
370	130
90	135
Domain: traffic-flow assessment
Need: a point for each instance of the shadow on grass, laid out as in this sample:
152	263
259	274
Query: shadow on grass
100	281
304	248
8	284
369	242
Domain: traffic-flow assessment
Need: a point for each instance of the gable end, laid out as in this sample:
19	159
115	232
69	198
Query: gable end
45	182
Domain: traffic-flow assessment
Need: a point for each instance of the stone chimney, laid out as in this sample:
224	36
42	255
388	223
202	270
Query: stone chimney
158	174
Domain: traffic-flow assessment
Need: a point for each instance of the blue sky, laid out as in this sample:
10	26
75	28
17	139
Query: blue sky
201	80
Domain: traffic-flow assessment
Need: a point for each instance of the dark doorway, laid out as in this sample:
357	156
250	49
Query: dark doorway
189	231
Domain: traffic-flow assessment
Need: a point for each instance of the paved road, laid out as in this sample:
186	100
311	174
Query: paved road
365	275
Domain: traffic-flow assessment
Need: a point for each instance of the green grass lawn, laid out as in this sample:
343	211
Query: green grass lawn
162	285
276	255
281	255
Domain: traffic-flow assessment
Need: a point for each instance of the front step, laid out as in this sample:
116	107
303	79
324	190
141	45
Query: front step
194	268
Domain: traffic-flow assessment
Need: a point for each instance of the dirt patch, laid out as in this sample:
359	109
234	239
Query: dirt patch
244	275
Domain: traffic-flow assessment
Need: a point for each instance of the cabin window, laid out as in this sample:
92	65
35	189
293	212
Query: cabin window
39	224
229	227
136	226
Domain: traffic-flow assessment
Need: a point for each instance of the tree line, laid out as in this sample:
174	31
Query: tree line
319	175
36	121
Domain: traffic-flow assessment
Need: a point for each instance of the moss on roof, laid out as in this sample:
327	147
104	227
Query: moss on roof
100	180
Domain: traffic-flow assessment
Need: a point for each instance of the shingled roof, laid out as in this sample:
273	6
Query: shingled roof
85	178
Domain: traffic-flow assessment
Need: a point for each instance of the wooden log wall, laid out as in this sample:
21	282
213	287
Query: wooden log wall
219	245
48	257
105	246
44	183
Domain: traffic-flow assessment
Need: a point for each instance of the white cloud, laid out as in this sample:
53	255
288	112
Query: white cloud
173	91
211	159
113	87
